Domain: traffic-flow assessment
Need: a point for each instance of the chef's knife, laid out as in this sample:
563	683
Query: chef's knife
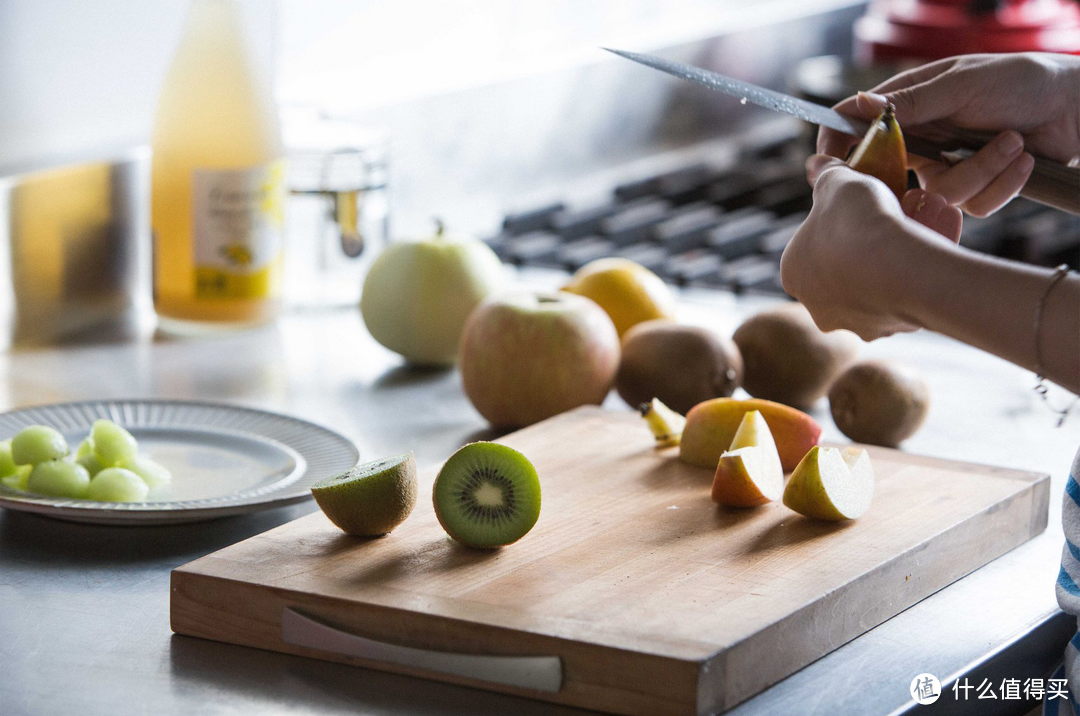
1050	183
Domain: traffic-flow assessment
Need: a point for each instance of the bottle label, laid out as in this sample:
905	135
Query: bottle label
238	222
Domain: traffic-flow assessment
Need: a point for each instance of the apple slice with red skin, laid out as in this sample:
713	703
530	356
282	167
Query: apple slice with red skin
749	473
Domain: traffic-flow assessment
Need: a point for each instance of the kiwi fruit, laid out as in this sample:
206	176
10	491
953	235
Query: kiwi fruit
487	495
370	499
879	402
681	365
788	359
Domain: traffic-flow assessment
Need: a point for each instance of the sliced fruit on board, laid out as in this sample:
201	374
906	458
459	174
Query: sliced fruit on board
711	427
832	484
665	423
750	473
487	495
370	500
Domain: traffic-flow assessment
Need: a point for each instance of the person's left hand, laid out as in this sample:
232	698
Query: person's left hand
847	261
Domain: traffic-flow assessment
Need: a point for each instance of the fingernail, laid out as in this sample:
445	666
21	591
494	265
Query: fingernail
1025	163
874	98
1011	143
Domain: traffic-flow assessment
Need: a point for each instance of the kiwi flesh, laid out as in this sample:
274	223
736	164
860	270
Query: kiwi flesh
879	402
487	495
370	499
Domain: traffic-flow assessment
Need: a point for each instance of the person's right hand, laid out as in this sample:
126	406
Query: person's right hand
1031	99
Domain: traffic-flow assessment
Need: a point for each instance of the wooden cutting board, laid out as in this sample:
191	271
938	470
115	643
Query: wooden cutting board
633	594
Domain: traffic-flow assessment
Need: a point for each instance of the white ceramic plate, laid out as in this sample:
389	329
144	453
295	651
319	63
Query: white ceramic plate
225	460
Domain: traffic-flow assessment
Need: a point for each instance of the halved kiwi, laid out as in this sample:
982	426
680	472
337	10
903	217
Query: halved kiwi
487	495
370	499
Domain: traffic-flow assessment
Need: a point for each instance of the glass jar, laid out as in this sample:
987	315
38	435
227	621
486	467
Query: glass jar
338	213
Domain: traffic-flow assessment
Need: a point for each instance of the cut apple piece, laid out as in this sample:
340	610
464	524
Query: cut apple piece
754	432
711	426
665	423
747	477
831	484
750	473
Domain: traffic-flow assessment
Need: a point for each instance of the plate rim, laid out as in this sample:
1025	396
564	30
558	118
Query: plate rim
180	510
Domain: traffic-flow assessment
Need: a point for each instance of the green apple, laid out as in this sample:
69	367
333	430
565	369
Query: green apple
749	473
526	356
418	295
831	484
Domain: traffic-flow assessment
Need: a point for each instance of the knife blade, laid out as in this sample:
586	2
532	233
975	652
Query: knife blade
769	99
1050	183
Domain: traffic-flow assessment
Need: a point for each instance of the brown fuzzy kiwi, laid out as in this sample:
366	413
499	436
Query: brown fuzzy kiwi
879	402
681	365
788	359
371	499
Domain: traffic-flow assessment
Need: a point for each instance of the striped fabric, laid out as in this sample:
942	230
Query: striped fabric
1068	594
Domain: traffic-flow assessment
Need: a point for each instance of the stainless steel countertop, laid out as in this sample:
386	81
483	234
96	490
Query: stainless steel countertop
84	609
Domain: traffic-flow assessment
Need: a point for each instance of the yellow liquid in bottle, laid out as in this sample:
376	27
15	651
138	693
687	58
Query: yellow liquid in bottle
218	184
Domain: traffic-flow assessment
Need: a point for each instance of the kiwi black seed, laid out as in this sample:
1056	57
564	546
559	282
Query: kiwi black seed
487	495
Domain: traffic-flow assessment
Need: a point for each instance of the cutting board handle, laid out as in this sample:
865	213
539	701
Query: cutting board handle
539	673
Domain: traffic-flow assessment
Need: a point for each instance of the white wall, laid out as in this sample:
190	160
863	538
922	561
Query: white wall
81	76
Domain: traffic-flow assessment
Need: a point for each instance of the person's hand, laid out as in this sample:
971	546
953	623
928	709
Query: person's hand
1031	100
846	263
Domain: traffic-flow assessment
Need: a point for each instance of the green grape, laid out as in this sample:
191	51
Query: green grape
18	480
91	462
86	447
115	484
59	478
37	443
152	473
7	463
112	444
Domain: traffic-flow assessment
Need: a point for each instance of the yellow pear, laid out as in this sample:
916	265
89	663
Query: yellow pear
831	484
882	154
627	291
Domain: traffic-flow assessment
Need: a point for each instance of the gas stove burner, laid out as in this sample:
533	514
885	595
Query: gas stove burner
922	30
726	227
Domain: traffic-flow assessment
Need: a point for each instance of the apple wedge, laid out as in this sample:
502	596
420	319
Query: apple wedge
831	484
749	474
665	423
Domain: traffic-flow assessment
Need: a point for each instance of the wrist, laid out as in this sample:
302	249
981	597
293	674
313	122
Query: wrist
911	263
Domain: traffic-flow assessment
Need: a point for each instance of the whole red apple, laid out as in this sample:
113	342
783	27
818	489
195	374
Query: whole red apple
526	356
